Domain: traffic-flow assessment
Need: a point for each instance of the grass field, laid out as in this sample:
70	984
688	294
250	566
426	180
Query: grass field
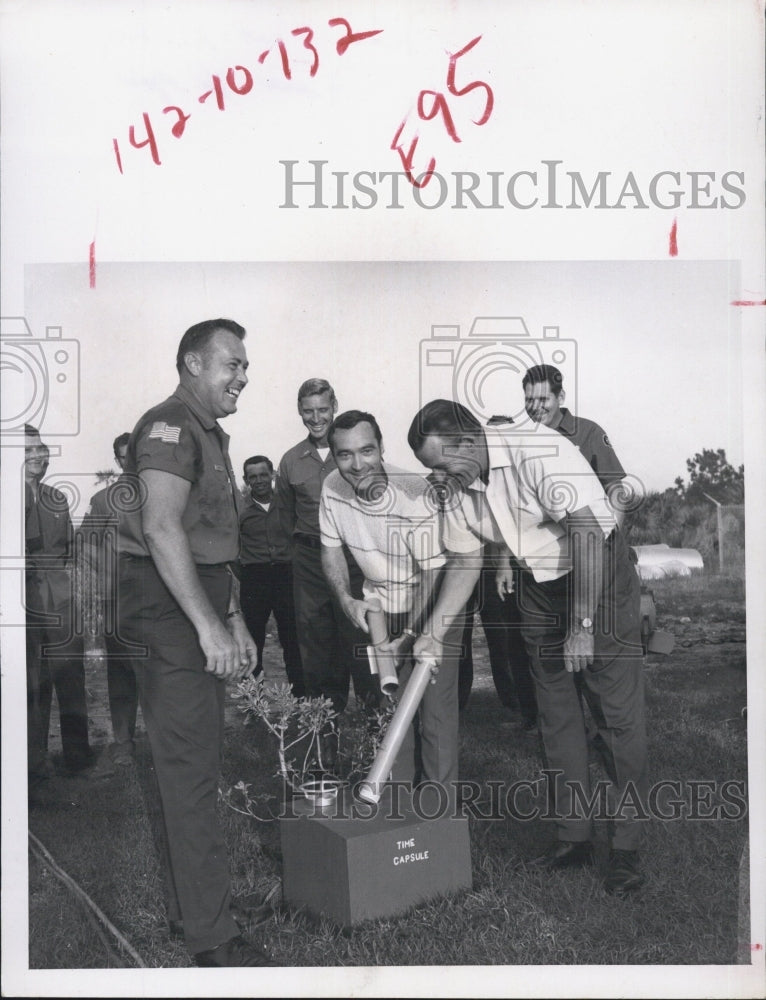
100	833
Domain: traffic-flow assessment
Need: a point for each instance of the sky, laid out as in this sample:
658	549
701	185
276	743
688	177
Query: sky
648	349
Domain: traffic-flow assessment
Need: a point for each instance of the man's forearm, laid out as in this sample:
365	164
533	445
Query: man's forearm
422	597
587	546
460	577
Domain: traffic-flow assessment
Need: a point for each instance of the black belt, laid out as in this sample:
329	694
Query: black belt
310	541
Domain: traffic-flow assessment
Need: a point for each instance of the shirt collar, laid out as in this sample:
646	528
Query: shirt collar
204	416
311	449
567	422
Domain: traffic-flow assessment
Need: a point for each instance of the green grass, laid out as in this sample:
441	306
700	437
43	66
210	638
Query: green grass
101	834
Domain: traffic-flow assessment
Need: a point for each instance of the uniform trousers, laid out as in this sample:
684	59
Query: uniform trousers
183	711
267	588
614	689
55	660
508	656
332	649
121	682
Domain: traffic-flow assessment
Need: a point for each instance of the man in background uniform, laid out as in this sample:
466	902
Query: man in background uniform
267	578
544	393
54	651
99	531
328	641
177	598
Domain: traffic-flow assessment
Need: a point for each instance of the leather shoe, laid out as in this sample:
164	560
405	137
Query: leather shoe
236	952
623	874
566	854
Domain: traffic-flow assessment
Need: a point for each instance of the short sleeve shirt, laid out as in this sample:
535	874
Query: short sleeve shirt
595	446
262	535
392	538
180	437
300	476
534	483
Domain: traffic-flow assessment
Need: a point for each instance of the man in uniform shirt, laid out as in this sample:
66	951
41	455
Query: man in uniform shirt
388	520
580	606
177	599
330	645
98	530
267	579
544	393
54	651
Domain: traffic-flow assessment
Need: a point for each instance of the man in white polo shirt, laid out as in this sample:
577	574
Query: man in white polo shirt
538	496
388	520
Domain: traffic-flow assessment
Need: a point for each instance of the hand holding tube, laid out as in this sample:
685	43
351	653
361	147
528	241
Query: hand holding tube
423	674
381	663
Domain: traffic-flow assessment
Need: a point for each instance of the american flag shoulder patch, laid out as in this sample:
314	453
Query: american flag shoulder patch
164	432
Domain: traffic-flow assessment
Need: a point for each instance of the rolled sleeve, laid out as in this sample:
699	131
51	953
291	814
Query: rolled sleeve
169	448
457	536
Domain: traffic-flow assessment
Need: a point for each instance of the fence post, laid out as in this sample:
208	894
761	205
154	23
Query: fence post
719	519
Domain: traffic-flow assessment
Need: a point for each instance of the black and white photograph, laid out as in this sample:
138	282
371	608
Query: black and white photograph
382	440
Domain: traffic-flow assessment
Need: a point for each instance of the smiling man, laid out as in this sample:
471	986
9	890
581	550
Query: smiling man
178	601
388	518
328	641
580	596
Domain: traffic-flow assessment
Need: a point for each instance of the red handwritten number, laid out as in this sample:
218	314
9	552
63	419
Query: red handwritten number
350	37
150	141
439	105
283	57
231	83
218	91
297	32
490	103
116	146
407	159
180	125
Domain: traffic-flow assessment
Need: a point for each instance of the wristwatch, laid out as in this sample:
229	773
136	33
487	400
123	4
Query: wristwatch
586	624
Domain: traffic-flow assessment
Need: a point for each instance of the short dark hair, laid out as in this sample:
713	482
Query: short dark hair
32	431
316	387
544	373
348	420
256	460
198	337
119	441
443	417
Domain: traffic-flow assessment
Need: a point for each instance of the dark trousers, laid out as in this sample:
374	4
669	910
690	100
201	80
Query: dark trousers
267	588
508	656
332	650
613	687
121	683
183	711
55	661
